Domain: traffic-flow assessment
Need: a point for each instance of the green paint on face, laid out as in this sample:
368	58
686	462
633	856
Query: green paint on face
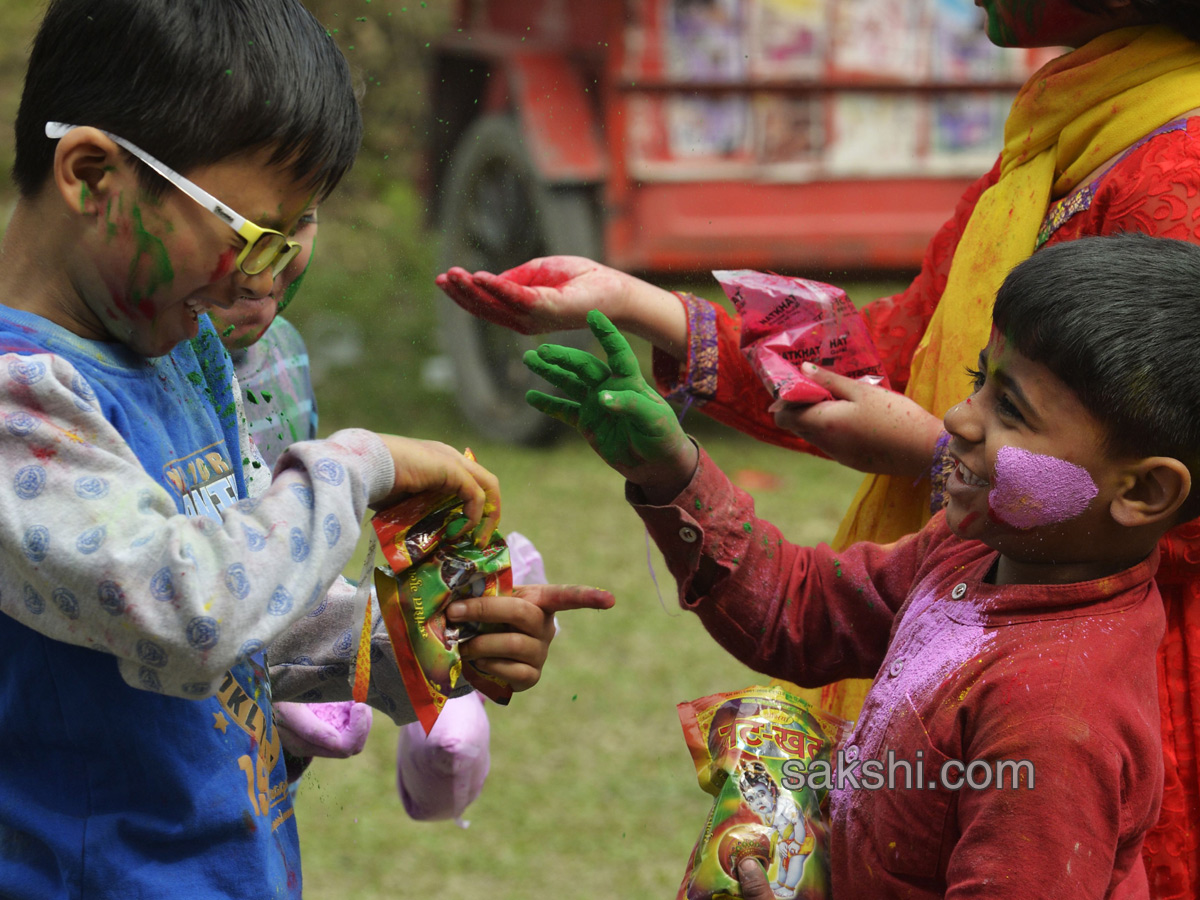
227	331
289	293
748	528
109	224
151	248
84	193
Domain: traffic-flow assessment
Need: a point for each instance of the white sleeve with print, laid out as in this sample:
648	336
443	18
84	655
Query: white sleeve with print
94	552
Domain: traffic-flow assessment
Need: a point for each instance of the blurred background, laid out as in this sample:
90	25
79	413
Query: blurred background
823	138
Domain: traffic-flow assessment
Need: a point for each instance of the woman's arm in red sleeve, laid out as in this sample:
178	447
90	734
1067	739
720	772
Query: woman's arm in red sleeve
717	376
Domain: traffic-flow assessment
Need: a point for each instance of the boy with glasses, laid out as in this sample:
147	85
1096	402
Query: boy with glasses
151	568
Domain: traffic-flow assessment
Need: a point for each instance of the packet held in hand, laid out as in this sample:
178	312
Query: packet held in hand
789	321
749	748
433	560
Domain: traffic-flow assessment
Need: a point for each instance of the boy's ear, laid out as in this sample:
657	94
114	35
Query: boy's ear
85	170
1154	489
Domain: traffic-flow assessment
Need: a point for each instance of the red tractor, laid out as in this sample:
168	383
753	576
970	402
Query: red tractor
678	136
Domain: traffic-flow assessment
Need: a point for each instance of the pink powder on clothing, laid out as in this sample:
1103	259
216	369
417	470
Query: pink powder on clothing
336	715
1032	490
932	647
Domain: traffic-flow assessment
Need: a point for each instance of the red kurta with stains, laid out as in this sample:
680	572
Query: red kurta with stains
1062	676
1154	188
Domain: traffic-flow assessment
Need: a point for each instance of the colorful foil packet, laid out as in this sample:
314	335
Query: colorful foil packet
790	321
432	560
749	746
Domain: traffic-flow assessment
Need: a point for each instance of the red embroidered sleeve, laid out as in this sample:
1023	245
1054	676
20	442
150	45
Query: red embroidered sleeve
733	393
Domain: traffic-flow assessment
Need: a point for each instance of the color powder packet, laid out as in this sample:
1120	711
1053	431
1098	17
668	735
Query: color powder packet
789	321
432	560
749	748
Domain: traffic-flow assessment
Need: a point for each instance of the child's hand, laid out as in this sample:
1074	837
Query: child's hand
753	881
864	426
516	656
434	466
627	423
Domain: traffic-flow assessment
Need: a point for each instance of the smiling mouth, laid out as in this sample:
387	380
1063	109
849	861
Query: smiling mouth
968	477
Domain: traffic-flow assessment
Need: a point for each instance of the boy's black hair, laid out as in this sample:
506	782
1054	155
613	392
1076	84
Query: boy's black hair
1182	15
192	82
1117	319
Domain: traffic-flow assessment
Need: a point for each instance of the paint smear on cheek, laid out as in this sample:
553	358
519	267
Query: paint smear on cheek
224	265
1032	490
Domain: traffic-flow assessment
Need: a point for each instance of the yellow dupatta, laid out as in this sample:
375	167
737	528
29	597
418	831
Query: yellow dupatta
1075	113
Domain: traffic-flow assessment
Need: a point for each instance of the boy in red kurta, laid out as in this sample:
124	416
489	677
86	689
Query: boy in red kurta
1012	641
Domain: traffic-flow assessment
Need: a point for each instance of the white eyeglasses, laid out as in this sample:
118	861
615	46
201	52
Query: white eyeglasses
265	248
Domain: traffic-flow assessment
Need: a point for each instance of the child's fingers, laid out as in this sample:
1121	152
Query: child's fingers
556	598
513	657
566	411
515	612
621	359
489	510
841	387
563	379
517	675
587	367
431	465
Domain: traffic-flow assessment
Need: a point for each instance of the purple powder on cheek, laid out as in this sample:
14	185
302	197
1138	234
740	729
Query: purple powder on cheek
1032	490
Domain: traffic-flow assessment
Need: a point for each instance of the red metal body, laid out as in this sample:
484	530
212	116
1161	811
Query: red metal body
564	69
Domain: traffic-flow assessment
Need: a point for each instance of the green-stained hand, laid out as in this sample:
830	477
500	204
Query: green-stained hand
626	422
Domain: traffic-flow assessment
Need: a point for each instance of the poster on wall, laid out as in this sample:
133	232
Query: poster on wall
789	39
789	133
823	89
706	40
880	39
875	134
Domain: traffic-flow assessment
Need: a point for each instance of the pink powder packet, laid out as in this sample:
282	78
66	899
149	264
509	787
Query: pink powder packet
441	773
788	321
336	730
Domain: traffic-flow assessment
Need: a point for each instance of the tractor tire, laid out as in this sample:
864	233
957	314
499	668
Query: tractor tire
495	213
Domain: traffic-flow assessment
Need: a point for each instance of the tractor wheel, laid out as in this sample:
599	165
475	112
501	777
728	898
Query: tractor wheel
496	213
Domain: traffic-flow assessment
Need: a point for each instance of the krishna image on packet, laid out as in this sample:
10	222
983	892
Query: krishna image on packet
432	559
748	746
